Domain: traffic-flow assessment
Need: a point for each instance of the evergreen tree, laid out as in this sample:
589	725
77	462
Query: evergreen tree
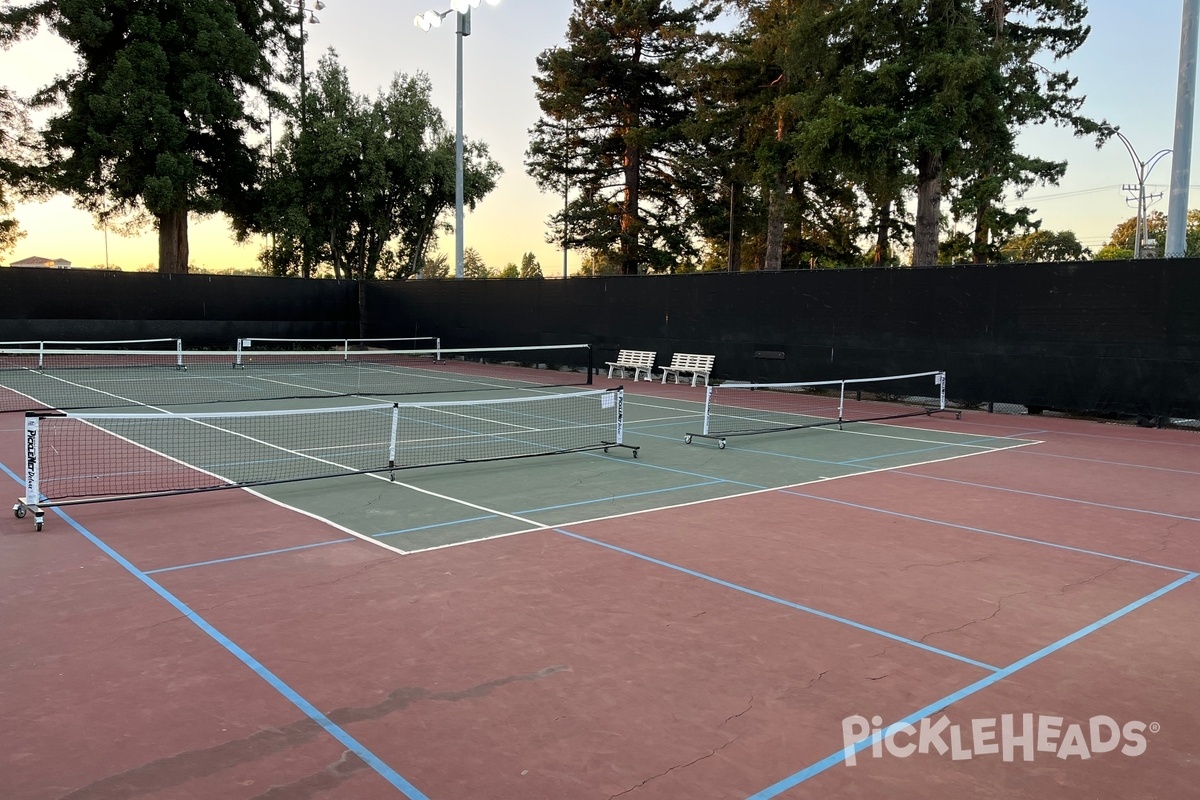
473	266
613	111
155	112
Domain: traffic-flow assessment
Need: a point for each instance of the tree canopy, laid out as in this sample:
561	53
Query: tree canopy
613	108
156	112
807	129
363	184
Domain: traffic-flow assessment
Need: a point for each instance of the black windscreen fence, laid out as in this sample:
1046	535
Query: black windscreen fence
1110	337
203	310
1118	338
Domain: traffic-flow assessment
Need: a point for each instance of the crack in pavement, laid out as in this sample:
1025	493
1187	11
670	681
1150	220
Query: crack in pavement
709	754
176	770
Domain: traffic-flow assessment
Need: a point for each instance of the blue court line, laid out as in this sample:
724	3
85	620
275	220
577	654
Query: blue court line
333	729
248	555
985	531
940	705
713	482
901	471
773	599
434	525
640	463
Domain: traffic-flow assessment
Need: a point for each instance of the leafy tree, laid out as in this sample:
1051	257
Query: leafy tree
155	113
1037	246
613	110
530	268
17	160
1120	245
364	183
599	262
473	266
510	270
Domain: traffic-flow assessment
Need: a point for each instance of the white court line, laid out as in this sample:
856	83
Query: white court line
690	503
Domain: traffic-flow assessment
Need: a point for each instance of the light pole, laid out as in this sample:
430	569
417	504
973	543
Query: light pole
1185	110
1143	170
304	9
433	19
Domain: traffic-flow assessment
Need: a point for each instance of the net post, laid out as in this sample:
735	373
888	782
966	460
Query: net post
620	413
941	381
392	441
41	355
179	354
708	393
346	350
33	493
590	364
237	359
841	404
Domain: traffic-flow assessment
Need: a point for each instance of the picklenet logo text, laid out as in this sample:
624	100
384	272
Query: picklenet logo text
1010	737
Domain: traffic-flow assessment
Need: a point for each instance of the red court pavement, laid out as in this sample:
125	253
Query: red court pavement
547	666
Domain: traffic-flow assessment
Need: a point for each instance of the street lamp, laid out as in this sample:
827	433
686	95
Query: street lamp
433	19
1143	170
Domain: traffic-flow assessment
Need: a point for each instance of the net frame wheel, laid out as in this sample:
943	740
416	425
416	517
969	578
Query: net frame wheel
19	511
687	438
720	444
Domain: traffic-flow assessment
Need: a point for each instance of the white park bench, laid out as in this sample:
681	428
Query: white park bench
637	360
689	363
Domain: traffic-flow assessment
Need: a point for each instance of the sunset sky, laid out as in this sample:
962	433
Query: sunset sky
1127	70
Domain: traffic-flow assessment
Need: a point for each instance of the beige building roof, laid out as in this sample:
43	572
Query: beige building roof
39	261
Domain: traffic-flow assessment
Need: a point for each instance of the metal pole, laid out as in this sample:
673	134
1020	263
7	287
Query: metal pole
1185	106
304	269
566	189
464	28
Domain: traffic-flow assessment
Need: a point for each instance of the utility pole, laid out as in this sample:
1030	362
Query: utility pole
1142	169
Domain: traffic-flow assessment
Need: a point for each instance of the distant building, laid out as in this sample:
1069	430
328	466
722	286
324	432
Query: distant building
38	261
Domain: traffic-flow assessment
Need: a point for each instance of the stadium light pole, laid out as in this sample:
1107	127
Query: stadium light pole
1185	112
305	10
1143	170
433	19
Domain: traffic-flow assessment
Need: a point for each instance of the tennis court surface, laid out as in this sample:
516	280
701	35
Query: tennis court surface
1015	594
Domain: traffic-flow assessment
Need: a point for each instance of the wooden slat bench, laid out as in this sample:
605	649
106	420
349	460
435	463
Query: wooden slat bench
689	363
637	360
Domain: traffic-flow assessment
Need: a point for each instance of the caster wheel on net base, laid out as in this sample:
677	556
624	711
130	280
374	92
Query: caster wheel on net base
720	444
19	511
687	439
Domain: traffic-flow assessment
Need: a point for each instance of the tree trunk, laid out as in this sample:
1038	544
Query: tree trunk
773	260
173	242
929	209
980	245
883	249
735	229
629	211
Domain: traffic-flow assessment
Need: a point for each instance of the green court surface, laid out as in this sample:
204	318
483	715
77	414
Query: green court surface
439	506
